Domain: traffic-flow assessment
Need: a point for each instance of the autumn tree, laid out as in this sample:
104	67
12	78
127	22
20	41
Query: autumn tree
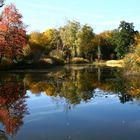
36	46
54	42
133	58
13	33
68	36
41	44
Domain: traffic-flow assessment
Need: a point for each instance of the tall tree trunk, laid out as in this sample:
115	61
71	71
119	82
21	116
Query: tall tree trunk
99	51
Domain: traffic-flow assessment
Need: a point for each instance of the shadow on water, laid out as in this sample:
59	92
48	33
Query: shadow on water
72	84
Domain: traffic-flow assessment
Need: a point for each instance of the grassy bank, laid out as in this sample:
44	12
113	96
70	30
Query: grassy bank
115	63
110	63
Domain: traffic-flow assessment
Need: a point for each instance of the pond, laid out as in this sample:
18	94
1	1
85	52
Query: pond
70	103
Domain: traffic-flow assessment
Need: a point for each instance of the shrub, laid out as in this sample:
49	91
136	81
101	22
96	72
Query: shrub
57	61
52	61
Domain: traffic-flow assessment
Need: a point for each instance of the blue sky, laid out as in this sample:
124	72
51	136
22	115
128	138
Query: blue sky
102	15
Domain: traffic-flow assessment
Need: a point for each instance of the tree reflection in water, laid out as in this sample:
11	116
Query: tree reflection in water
74	84
12	105
77	84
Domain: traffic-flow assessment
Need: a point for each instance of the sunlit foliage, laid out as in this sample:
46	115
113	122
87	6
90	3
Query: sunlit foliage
12	33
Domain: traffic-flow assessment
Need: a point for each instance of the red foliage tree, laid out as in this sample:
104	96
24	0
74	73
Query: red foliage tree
12	33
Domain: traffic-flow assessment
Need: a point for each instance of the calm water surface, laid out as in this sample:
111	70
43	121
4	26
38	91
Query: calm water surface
70	103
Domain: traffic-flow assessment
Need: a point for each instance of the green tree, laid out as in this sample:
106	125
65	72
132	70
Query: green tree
84	42
124	38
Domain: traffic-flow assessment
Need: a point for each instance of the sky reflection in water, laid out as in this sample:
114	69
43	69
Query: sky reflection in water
71	103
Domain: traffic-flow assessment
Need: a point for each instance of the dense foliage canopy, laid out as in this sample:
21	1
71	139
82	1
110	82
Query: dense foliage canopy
72	41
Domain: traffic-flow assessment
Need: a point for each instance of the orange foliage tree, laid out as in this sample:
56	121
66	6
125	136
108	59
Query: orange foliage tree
12	33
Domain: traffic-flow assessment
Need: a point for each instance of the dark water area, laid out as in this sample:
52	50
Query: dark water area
70	103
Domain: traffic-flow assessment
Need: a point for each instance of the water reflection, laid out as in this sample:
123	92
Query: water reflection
12	104
77	85
74	84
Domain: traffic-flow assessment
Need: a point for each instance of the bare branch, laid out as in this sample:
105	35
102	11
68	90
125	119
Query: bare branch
1	3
